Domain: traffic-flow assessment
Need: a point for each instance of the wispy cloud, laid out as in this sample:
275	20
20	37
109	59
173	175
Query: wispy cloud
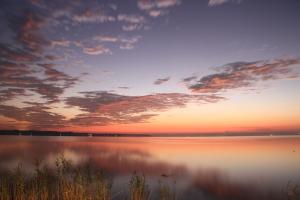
36	115
189	79
132	19
106	38
22	64
244	74
157	13
161	80
124	87
156	8
98	50
121	41
212	3
93	17
61	42
151	4
103	108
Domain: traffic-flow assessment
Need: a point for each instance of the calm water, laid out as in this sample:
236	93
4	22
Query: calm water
210	168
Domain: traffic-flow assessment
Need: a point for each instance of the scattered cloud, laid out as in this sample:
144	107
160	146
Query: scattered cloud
123	42
98	50
11	93
189	79
157	13
132	22
212	3
129	43
37	115
29	35
103	108
27	68
93	17
152	4
106	38
18	77
132	19
157	8
62	42
244	74
124	87
161	80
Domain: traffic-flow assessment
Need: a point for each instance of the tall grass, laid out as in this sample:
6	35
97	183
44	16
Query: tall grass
165	192
69	182
138	188
66	182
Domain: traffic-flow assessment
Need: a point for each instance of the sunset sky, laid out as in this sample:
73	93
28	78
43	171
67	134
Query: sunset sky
150	66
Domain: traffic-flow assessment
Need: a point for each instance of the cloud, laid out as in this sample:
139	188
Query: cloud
157	8
53	75
124	87
129	43
104	108
62	42
123	42
11	93
131	27
98	50
189	79
151	4
156	13
161	81
132	19
106	38
212	3
26	66
245	74
132	22
37	115
29	35
17	77
127	46
216	2
93	17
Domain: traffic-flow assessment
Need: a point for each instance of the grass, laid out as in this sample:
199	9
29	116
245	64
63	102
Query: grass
165	192
66	182
69	182
138	188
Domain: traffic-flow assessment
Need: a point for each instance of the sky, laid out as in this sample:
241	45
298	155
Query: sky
150	66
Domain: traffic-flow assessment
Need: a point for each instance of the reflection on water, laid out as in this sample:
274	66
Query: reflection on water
207	168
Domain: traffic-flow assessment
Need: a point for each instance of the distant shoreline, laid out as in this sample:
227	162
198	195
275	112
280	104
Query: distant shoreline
80	134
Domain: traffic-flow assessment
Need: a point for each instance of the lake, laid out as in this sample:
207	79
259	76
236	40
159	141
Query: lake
193	167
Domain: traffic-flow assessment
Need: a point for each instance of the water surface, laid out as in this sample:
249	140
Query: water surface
196	167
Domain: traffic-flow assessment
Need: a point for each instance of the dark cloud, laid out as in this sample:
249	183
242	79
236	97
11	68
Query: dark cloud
25	65
161	80
21	77
245	74
11	93
189	79
103	108
37	115
124	87
53	75
29	34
